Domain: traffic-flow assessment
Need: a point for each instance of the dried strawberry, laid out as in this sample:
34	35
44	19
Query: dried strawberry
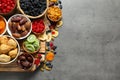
37	61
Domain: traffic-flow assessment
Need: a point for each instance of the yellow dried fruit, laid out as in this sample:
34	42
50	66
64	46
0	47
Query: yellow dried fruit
54	13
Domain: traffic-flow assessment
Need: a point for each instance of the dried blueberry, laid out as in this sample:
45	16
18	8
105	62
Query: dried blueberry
49	65
60	6
55	52
59	2
33	7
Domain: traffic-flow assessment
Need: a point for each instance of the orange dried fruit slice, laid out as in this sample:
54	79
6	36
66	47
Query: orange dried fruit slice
50	56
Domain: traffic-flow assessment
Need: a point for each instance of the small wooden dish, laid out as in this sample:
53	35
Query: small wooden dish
52	19
23	46
21	65
33	17
12	11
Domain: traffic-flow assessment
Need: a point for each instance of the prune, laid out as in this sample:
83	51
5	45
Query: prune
30	59
22	58
25	63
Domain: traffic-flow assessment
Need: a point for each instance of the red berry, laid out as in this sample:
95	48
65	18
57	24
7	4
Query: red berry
39	56
51	44
37	61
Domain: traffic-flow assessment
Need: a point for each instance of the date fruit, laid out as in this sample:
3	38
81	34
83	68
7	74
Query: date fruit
19	26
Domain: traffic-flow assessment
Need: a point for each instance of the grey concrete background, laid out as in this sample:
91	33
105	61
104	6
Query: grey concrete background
88	45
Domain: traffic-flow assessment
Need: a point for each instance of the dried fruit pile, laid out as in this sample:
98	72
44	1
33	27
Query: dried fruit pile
6	6
33	7
35	36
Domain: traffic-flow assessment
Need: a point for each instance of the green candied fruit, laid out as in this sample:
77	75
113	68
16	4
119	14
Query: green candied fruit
26	42
36	44
30	47
31	38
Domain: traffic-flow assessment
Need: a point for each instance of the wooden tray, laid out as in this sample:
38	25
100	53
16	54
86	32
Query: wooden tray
13	67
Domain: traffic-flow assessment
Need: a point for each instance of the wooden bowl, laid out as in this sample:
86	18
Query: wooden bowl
41	32
25	55
33	17
52	13
12	11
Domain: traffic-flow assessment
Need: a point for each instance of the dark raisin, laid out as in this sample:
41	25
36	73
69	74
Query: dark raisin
55	52
60	6
59	2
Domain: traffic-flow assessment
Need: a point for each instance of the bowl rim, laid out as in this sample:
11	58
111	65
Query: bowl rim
5	25
18	46
33	17
9	32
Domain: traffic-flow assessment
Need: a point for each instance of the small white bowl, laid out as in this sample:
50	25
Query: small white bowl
17	53
5	25
9	32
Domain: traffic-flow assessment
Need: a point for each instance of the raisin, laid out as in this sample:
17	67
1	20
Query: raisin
60	6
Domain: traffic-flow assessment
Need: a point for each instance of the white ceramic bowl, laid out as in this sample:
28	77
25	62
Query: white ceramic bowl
9	32
5	25
17	53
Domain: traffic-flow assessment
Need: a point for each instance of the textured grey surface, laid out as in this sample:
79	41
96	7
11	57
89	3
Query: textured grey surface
88	45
